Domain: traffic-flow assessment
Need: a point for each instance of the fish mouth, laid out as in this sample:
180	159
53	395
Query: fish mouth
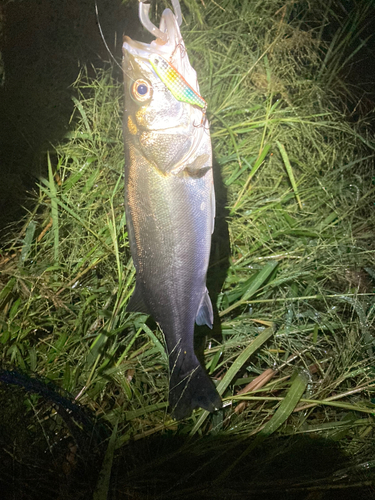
168	44
186	119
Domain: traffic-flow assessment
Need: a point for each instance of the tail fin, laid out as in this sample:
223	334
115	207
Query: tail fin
191	390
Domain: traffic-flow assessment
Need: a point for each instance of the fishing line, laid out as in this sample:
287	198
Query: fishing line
106	45
104	40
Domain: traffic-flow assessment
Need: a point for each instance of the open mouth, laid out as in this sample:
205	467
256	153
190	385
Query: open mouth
168	44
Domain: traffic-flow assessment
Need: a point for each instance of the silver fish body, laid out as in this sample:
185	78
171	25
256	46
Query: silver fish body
170	208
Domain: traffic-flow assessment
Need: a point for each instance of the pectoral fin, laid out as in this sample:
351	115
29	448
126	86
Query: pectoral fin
136	302
205	314
198	167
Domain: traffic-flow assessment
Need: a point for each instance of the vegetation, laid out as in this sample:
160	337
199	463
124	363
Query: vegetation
292	273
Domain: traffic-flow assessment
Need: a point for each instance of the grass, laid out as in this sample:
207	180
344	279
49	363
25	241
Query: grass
292	268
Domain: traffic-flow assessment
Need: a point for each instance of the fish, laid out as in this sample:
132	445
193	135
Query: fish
169	201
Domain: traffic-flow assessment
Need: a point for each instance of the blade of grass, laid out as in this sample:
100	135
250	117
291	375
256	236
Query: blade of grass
156	342
285	409
289	170
253	171
102	486
260	279
85	120
54	210
28	240
234	369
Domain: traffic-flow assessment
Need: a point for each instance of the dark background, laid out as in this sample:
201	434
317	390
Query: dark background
45	44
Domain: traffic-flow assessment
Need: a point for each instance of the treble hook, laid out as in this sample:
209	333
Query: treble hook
144	10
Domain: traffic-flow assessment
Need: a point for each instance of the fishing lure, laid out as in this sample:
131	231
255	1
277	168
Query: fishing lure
175	82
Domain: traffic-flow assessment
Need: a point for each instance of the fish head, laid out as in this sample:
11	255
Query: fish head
170	133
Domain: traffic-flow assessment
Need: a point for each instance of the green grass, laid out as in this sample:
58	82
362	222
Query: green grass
295	291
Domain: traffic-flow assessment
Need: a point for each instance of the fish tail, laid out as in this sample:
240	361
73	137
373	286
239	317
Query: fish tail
190	389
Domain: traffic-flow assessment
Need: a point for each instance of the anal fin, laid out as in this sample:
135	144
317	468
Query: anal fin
205	314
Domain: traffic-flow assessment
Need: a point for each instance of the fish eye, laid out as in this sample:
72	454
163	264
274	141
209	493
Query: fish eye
141	90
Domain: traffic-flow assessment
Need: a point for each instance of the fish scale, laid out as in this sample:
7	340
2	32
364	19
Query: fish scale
169	202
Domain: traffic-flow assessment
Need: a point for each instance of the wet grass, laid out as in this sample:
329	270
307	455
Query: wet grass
292	267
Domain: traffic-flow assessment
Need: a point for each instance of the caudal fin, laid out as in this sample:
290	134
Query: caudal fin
191	390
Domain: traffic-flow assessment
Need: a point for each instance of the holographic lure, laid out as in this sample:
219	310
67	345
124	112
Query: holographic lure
176	83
